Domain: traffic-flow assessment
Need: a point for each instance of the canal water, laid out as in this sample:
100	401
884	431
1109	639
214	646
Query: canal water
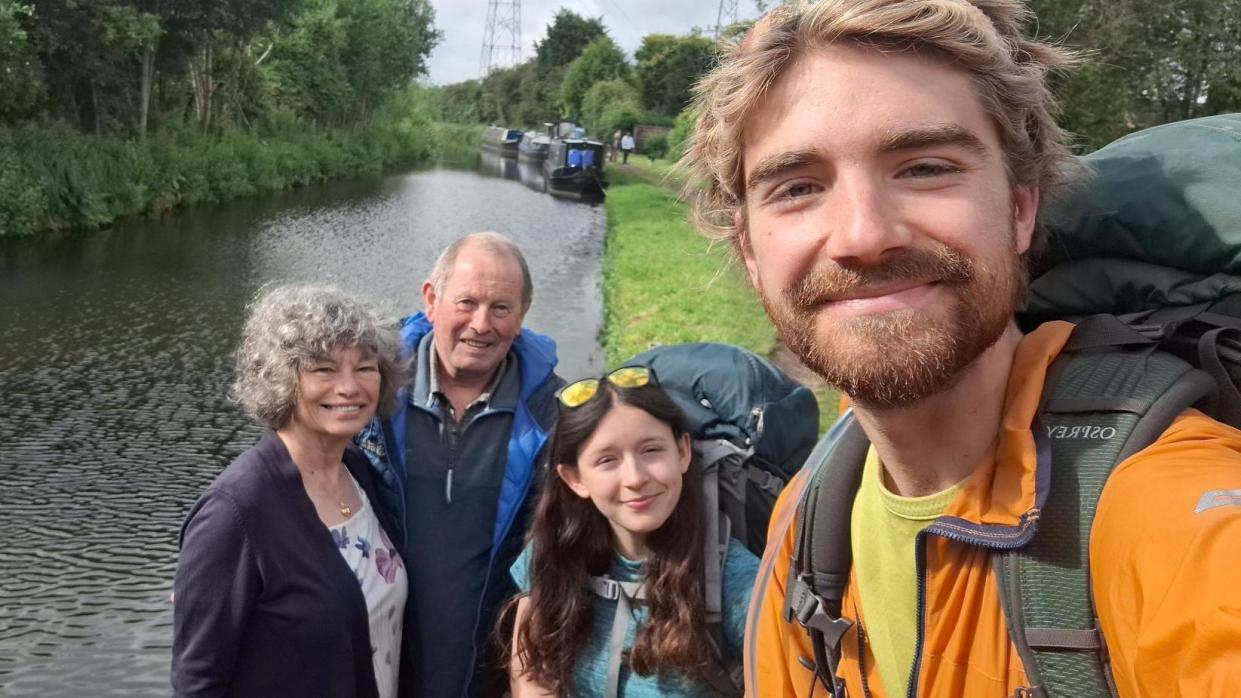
115	364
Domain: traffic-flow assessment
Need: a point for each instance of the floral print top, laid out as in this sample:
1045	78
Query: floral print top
376	563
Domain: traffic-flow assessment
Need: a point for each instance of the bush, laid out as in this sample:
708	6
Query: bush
678	137
656	145
611	105
56	176
23	193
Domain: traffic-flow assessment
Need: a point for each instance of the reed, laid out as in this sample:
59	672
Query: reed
55	177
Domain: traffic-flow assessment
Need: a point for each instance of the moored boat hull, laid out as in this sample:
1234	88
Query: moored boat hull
574	169
501	140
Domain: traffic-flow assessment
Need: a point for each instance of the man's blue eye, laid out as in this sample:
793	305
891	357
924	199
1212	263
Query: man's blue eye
799	189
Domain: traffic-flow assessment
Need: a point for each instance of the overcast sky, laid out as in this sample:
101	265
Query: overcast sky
463	22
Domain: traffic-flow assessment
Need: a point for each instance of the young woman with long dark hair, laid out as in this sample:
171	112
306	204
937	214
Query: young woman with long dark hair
622	500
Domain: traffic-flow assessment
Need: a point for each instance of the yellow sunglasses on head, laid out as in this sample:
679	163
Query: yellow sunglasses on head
576	394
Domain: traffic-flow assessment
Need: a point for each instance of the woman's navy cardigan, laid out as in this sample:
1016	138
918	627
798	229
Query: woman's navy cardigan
265	604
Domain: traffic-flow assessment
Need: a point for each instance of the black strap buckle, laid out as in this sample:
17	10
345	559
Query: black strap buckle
812	613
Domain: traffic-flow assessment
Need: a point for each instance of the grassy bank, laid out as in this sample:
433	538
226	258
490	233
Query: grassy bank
56	177
665	284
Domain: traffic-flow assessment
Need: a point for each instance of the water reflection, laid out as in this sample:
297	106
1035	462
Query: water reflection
498	165
531	175
114	363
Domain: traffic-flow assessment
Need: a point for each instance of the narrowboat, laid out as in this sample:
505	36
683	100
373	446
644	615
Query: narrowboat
533	147
574	165
502	140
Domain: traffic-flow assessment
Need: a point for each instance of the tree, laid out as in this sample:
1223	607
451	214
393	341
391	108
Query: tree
457	103
567	36
601	60
1197	44
21	73
90	53
1146	62
387	43
342	58
211	27
610	105
668	67
501	96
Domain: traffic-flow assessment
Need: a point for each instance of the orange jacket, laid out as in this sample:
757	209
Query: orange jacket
1166	573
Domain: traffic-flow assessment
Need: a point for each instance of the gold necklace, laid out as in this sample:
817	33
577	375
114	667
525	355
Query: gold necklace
345	510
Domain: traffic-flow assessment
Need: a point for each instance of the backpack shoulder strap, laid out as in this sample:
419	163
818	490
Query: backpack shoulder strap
724	677
822	557
1110	394
625	594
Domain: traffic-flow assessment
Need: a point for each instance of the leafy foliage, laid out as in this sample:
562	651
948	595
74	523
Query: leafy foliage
668	67
243	96
105	65
678	137
609	106
21	75
601	60
1145	63
656	145
56	176
567	36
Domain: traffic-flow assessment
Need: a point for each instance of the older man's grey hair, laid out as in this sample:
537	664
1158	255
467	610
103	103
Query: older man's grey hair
495	244
291	326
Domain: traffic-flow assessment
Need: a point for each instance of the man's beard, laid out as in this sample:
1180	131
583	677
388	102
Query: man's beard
895	359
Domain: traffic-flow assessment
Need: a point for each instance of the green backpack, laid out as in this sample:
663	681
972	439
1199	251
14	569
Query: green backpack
1145	258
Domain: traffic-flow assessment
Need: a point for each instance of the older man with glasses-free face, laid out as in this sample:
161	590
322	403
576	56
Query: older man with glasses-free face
459	458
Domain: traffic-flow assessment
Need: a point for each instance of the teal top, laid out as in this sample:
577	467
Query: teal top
590	675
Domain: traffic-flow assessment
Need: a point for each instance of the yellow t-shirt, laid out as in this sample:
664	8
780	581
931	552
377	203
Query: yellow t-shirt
884	528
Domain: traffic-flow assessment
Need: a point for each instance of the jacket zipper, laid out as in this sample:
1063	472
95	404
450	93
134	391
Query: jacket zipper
920	558
469	677
452	460
920	563
452	452
861	657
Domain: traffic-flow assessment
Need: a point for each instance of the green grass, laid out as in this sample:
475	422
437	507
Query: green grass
665	284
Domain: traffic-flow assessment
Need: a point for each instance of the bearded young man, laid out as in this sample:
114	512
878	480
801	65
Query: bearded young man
878	166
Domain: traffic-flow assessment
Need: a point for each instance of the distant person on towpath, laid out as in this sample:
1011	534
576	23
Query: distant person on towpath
627	147
290	580
458	459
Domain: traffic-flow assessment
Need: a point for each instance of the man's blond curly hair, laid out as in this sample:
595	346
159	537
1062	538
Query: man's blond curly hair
980	37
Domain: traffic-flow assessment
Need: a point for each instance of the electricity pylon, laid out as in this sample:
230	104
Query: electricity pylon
502	38
726	17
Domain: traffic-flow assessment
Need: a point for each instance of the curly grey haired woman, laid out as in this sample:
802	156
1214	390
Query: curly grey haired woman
289	580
